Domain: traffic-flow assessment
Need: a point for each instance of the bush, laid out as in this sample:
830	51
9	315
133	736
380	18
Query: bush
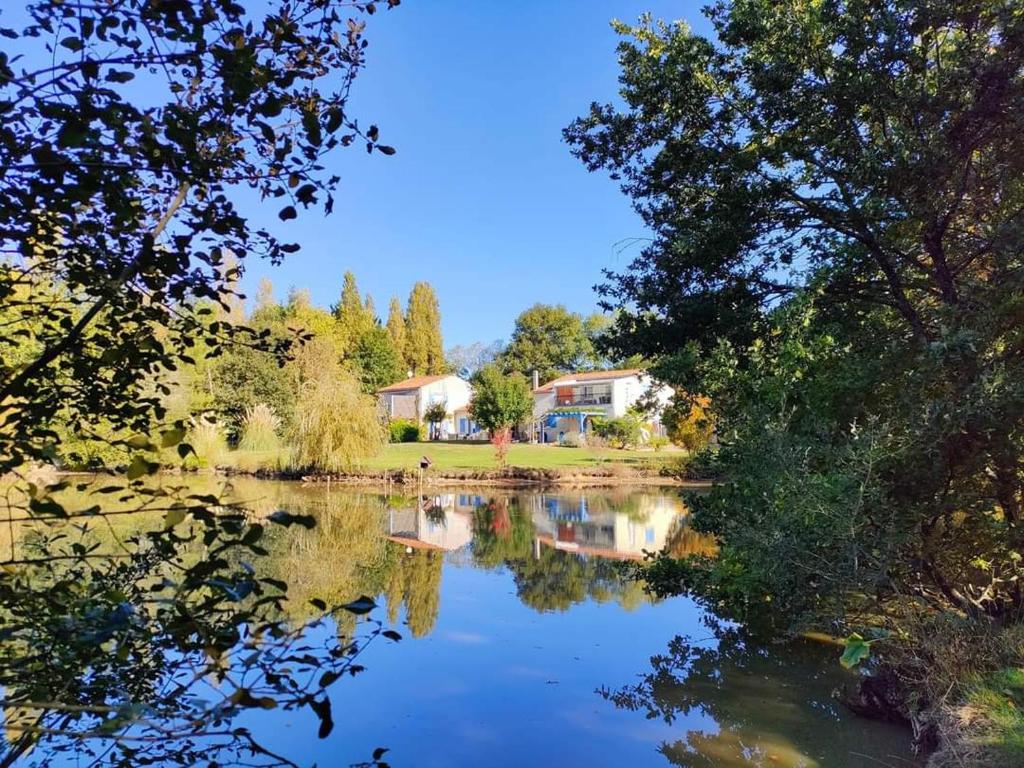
259	429
209	443
690	422
404	431
573	440
622	432
658	442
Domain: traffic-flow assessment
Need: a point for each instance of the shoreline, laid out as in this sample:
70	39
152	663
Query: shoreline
510	477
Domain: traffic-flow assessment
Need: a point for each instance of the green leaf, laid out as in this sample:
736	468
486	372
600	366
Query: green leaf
139	441
174	517
172	437
140	467
857	650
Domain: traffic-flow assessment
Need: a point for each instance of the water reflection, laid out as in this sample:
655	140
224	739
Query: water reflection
515	606
741	703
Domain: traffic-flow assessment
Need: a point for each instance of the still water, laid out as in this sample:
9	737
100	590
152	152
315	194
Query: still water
525	645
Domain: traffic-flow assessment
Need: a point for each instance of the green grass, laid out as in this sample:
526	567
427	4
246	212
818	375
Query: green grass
472	457
453	456
1000	700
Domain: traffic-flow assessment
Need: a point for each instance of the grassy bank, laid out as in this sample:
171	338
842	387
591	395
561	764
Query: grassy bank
456	457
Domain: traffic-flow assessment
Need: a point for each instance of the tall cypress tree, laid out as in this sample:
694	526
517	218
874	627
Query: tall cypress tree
396	330
424	348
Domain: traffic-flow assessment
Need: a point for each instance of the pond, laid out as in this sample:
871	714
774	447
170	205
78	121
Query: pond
525	643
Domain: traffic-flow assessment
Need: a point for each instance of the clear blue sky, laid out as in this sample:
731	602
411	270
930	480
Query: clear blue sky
482	198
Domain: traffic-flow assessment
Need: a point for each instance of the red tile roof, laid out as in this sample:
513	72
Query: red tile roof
572	378
413	382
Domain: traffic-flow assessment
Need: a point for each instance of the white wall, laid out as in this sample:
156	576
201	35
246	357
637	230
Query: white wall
451	390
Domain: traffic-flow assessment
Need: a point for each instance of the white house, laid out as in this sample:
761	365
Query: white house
564	407
411	397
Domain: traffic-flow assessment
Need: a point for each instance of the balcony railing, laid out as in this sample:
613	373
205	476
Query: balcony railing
585	400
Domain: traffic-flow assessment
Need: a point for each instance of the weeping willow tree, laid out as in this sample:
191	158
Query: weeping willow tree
337	424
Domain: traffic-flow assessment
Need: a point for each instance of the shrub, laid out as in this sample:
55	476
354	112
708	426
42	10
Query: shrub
658	442
260	426
336	425
622	432
209	443
404	431
690	423
573	440
501	439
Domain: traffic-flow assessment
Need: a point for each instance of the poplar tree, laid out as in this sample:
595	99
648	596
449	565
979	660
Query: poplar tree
355	318
396	329
424	348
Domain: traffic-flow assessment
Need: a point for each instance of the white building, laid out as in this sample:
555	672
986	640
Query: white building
410	399
564	407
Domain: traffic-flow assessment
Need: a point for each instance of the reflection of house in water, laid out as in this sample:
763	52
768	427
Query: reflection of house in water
596	526
443	521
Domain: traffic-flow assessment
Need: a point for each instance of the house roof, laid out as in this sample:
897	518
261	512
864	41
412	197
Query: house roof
413	382
589	376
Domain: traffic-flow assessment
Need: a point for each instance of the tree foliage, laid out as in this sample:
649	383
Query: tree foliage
548	339
835	193
424	347
337	425
396	330
500	400
376	360
128	131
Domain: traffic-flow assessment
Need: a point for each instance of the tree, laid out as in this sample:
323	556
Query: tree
834	191
128	131
376	361
424	349
434	415
396	330
354	315
500	402
244	378
337	425
548	339
264	296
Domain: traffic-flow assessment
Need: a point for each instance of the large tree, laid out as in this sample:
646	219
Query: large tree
130	131
424	347
376	360
548	339
835	193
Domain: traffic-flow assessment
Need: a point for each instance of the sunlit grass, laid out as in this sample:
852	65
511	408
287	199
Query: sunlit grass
446	457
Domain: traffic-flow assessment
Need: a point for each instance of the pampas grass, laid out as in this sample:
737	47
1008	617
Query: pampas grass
260	426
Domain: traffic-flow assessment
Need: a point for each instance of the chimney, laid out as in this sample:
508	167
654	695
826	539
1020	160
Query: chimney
536	379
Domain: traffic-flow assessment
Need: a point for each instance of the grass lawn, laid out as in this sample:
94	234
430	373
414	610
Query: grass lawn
453	456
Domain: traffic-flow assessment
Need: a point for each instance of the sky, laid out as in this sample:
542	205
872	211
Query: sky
482	198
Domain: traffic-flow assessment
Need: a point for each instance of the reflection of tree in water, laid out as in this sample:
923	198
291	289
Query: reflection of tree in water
503	534
343	557
502	531
414	581
557	580
772	706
